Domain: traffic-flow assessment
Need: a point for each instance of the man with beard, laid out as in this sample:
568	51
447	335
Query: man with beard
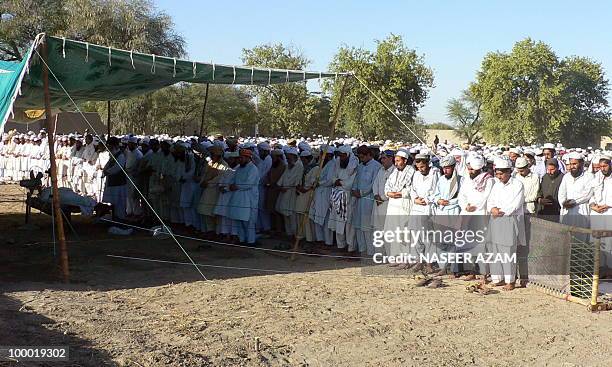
133	156
272	191
341	203
549	153
379	210
424	183
288	183
601	208
575	192
506	224
548	203
473	196
319	210
149	148
364	200
397	189
210	189
446	204
244	199
115	190
531	183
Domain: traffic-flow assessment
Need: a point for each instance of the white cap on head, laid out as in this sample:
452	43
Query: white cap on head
502	163
402	153
447	161
346	149
264	146
306	153
605	156
548	146
521	162
574	155
291	150
476	161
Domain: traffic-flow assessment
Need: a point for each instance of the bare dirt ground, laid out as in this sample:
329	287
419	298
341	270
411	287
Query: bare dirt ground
309	312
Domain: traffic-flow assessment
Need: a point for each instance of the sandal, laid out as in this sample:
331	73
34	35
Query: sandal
423	282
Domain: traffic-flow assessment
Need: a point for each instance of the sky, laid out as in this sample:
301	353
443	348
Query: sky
452	36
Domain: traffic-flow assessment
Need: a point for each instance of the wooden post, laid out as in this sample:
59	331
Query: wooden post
108	118
59	223
302	224
204	110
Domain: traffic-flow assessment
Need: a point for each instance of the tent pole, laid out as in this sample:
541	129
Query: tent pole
302	224
53	171
204	110
108	118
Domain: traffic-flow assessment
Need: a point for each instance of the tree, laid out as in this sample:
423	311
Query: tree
284	109
465	113
394	72
127	24
177	110
531	96
440	126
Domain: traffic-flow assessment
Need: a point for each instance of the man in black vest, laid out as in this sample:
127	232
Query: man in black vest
115	190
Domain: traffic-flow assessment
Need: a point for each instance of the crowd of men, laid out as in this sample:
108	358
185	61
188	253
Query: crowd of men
334	193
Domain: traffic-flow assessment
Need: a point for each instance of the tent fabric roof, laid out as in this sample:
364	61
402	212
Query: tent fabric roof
91	72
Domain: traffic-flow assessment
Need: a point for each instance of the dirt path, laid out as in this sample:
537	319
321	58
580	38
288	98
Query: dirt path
323	313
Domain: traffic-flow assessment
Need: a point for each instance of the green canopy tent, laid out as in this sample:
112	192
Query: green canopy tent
60	73
91	72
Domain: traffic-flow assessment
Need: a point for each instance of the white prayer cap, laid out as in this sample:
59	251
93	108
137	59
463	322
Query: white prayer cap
402	153
346	149
145	141
521	162
548	146
456	152
515	150
476	161
264	145
329	149
302	145
421	156
124	139
276	152
306	153
574	155
291	150
605	156
502	163
132	139
413	150
231	154
448	160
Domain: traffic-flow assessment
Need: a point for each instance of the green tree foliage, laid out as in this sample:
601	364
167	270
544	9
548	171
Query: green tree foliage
531	96
440	126
394	72
465	113
177	110
284	109
127	24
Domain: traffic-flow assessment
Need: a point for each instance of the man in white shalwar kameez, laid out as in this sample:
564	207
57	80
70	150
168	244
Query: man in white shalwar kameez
364	201
89	165
244	200
397	189
474	192
288	183
379	210
601	209
446	205
575	192
424	184
341	210
320	208
133	156
506	224
263	167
